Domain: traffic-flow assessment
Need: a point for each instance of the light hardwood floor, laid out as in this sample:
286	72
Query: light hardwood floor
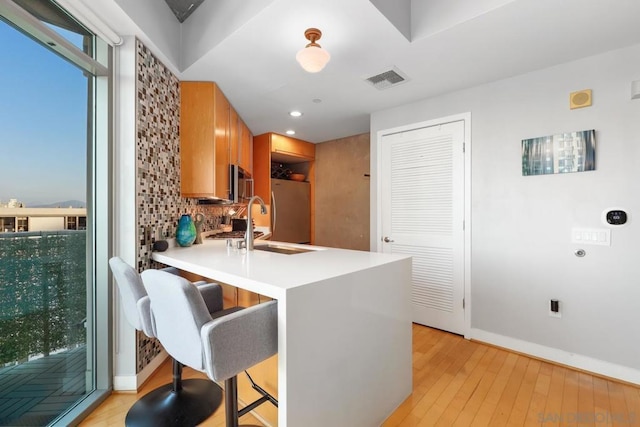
464	383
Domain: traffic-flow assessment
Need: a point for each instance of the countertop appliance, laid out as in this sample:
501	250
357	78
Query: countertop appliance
290	211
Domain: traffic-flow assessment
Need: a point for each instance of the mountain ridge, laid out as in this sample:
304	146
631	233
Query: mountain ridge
63	204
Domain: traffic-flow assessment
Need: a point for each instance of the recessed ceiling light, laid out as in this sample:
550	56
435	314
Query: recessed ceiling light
295	113
317	100
290	132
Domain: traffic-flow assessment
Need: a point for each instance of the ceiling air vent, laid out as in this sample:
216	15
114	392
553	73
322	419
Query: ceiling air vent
388	78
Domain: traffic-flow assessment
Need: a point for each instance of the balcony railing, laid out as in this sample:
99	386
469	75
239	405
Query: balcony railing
43	293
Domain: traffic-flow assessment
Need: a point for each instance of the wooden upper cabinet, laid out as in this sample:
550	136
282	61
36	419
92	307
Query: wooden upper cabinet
269	147
246	146
241	142
234	134
262	166
204	140
292	147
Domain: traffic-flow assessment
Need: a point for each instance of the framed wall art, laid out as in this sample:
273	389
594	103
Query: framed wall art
560	153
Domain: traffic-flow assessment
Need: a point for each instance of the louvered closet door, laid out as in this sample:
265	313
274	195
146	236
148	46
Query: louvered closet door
422	189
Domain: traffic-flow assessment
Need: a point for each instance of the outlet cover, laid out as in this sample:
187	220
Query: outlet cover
556	314
591	236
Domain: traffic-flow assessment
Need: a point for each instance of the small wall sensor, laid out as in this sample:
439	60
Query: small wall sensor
615	217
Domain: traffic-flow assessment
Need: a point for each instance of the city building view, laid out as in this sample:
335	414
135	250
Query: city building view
16	217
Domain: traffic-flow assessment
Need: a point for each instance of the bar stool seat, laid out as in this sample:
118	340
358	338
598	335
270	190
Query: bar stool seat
181	402
221	347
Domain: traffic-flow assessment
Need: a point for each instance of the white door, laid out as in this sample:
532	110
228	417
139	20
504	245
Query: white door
422	215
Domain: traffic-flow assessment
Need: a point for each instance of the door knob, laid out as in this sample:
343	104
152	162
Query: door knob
387	240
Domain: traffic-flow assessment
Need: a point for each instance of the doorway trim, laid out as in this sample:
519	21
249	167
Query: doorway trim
466	117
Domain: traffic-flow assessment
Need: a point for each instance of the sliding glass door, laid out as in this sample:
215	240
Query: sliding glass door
49	190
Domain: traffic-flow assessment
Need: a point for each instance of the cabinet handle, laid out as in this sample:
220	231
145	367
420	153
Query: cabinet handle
273	213
387	240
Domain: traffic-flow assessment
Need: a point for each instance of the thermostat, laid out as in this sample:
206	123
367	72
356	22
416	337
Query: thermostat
615	216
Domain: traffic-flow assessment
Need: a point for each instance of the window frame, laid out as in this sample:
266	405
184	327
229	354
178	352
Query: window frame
99	206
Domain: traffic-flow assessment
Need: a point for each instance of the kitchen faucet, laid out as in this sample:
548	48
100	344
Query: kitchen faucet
248	235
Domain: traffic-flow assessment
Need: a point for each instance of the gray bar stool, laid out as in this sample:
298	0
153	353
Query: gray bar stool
181	402
221	347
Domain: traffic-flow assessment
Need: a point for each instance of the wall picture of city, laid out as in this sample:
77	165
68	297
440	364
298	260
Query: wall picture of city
560	153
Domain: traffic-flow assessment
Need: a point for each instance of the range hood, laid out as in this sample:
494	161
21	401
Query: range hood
214	201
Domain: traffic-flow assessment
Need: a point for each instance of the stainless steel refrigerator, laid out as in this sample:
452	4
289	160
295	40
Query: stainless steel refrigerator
291	211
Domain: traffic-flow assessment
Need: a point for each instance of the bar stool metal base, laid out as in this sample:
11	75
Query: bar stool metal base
164	407
182	403
232	413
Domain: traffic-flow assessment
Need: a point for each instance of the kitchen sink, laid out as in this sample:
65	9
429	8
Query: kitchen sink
286	250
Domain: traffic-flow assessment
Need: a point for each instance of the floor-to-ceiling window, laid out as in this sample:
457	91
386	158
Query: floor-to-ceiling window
54	140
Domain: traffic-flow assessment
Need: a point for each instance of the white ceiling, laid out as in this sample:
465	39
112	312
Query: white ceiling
441	45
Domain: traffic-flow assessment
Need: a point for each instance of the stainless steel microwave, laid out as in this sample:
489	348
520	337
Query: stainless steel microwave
240	184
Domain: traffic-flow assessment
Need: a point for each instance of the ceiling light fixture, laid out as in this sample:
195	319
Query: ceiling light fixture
290	132
295	113
313	57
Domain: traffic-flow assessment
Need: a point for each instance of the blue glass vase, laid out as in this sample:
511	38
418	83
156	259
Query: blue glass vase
186	233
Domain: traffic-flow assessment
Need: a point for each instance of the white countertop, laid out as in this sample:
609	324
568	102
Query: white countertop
269	273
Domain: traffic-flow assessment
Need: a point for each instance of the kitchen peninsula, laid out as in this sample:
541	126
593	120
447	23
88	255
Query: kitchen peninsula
344	327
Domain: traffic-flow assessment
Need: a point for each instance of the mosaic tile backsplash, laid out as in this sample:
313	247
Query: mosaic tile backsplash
158	201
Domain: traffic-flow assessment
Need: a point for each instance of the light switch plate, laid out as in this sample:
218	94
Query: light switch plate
591	236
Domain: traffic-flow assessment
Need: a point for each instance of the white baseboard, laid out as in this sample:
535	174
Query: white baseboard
132	382
124	383
562	357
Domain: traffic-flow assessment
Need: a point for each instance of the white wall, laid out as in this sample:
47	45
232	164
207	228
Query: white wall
212	23
429	17
521	250
125	241
158	27
125	206
398	12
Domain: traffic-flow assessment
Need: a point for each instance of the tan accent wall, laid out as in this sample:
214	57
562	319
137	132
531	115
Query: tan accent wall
342	193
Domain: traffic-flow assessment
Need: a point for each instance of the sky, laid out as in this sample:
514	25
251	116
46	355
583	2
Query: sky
43	123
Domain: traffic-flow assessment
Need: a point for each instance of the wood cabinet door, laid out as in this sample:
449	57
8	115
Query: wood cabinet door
197	149
246	146
221	119
234	136
292	146
262	166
